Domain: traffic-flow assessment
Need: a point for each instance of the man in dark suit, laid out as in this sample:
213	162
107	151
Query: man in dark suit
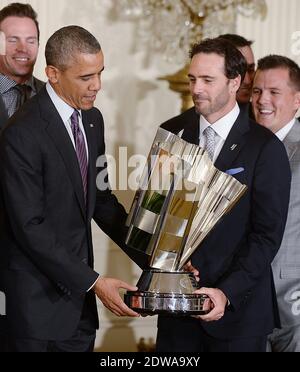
243	95
48	156
18	52
234	262
19	25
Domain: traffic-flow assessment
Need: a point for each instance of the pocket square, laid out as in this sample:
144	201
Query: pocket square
234	171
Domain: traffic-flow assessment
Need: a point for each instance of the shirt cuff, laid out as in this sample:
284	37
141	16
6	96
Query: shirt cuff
93	284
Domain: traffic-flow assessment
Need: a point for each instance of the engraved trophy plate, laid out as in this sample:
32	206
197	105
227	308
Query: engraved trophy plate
181	198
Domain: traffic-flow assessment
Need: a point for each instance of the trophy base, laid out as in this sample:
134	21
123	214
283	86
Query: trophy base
171	304
161	292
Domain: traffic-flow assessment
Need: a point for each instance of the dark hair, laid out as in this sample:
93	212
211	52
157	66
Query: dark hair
65	44
20	10
275	61
237	40
234	62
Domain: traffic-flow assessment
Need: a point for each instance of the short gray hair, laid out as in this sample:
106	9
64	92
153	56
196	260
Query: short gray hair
66	43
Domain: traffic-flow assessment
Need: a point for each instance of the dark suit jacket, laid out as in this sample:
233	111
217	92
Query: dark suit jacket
45	237
3	120
236	257
3	112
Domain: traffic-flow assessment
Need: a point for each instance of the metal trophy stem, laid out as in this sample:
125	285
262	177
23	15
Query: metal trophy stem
181	198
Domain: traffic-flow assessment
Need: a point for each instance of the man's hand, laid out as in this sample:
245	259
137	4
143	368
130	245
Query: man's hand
107	290
191	269
219	302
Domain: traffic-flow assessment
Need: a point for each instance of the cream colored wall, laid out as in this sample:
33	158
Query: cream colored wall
134	103
274	35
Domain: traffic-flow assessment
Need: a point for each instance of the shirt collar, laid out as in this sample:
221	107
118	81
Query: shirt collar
65	111
222	126
6	83
283	132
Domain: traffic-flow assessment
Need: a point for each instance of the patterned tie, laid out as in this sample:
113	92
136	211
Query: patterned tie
210	141
80	150
24	93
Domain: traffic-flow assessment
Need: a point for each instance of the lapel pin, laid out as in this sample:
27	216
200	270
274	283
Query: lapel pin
233	147
92	125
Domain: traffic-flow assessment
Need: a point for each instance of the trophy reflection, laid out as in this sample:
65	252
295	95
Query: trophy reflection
181	197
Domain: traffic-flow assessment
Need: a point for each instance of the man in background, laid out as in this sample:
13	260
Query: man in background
20	30
244	46
276	100
244	93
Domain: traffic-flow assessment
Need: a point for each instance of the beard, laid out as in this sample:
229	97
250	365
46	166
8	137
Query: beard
206	106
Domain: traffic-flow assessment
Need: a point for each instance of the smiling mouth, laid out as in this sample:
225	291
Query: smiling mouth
265	112
21	59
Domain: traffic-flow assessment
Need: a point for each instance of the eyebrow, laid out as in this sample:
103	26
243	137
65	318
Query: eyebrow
202	76
268	88
82	76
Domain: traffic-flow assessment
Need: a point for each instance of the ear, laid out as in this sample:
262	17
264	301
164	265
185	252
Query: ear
235	84
297	101
53	74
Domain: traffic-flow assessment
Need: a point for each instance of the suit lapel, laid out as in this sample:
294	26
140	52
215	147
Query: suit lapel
191	131
57	132
292	140
234	142
3	114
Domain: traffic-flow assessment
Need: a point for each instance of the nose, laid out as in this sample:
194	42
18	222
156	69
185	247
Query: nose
21	45
263	98
96	83
247	79
196	87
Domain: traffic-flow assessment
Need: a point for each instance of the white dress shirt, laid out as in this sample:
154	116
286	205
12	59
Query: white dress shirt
222	127
65	111
283	132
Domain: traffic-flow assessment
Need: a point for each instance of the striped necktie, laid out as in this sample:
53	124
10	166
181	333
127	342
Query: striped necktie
80	150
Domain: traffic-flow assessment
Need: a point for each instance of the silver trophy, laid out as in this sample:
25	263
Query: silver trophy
181	197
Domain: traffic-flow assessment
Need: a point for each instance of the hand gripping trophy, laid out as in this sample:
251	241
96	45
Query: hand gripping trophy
181	197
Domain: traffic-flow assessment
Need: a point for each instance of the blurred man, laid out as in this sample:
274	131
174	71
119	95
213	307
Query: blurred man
20	30
19	38
276	100
244	46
